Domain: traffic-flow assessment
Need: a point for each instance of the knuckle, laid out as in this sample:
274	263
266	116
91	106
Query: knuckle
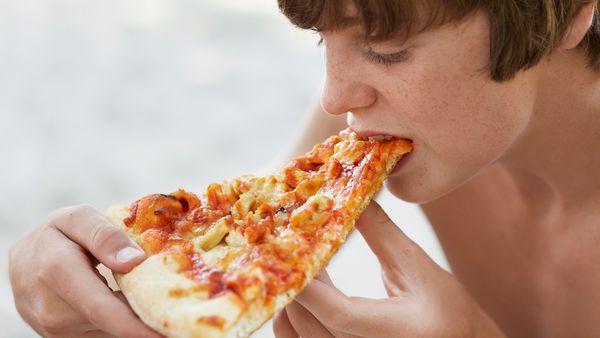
342	317
48	268
47	319
50	325
59	214
69	214
102	236
92	308
83	209
42	276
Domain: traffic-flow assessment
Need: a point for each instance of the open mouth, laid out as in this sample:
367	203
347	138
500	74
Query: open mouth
380	138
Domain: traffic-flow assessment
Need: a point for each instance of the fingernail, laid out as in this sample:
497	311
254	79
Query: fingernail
128	254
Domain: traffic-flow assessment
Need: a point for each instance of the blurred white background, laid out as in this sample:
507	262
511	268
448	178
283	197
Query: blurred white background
104	101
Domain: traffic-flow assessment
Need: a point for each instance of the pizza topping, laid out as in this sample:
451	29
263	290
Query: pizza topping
155	211
265	264
243	184
349	152
255	237
308	163
292	176
245	204
220	196
178	293
235	239
333	170
188	200
209	278
214	234
154	240
249	283
253	232
317	156
312	215
215	321
308	187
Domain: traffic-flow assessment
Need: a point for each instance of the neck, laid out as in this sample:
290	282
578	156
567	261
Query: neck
557	158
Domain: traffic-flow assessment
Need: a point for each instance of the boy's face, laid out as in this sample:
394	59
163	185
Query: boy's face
435	91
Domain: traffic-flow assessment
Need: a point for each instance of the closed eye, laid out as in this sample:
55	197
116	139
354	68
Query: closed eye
386	59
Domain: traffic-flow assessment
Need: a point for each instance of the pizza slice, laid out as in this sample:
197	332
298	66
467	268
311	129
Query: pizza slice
223	263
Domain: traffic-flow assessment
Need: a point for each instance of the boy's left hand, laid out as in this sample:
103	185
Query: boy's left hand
424	300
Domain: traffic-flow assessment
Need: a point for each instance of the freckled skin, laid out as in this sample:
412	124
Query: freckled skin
506	172
441	97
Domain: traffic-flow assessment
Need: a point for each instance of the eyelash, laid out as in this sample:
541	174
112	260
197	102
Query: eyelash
384	59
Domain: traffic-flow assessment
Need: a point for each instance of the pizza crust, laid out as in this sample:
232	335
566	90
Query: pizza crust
167	301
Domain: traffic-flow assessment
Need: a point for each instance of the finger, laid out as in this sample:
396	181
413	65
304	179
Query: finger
323	276
305	322
88	334
354	315
53	316
391	246
282	328
91	230
74	281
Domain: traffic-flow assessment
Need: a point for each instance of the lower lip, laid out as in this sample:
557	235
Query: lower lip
401	163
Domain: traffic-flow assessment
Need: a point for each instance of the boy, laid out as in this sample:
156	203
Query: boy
502	102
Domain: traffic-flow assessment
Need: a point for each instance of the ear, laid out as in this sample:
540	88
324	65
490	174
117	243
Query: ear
579	26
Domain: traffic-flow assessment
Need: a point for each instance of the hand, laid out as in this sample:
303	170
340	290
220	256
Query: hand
56	286
424	300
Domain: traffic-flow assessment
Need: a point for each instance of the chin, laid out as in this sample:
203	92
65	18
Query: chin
414	189
423	187
411	193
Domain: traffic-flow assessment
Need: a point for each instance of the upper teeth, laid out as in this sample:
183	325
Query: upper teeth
380	138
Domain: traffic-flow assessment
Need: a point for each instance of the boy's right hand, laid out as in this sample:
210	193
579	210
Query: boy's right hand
56	286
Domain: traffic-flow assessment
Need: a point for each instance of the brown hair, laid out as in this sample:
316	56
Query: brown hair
521	32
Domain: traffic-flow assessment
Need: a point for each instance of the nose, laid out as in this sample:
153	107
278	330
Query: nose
345	89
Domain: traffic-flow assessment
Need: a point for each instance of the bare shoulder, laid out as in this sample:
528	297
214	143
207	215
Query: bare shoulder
514	263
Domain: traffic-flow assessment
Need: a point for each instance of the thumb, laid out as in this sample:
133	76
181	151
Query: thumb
355	316
391	246
86	226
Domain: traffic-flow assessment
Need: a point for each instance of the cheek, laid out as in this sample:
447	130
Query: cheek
476	121
461	124
461	120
